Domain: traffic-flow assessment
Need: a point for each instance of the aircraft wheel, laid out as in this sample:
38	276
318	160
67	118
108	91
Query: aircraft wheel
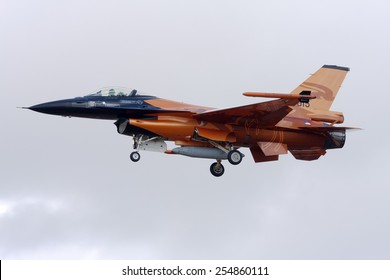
217	169
234	157
135	156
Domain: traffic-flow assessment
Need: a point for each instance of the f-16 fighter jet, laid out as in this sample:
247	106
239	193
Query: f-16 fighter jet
300	122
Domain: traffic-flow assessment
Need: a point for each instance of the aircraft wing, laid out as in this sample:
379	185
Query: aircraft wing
266	113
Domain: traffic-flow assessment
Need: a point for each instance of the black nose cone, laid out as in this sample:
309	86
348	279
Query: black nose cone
61	107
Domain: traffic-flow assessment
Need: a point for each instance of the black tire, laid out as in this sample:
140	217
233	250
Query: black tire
135	156
234	157
217	169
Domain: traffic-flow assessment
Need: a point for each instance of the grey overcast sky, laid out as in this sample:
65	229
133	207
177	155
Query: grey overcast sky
69	191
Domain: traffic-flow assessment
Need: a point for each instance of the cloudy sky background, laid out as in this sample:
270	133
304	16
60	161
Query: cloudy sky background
69	191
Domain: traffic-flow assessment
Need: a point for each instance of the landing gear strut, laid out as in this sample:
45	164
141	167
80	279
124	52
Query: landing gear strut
135	156
146	143
217	169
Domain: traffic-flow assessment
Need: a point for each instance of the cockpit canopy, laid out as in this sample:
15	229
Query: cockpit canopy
116	91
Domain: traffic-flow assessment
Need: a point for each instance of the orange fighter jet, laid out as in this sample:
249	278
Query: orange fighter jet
300	122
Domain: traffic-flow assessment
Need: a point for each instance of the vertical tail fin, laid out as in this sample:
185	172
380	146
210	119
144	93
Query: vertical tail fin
324	84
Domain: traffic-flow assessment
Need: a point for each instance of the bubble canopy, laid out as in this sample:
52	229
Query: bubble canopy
115	91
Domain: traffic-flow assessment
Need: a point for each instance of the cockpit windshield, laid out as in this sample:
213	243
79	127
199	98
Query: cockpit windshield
115	91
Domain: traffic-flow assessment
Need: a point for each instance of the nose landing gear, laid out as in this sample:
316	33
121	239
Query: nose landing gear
135	156
146	143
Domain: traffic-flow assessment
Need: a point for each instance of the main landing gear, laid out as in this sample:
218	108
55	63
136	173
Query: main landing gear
233	156
217	169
